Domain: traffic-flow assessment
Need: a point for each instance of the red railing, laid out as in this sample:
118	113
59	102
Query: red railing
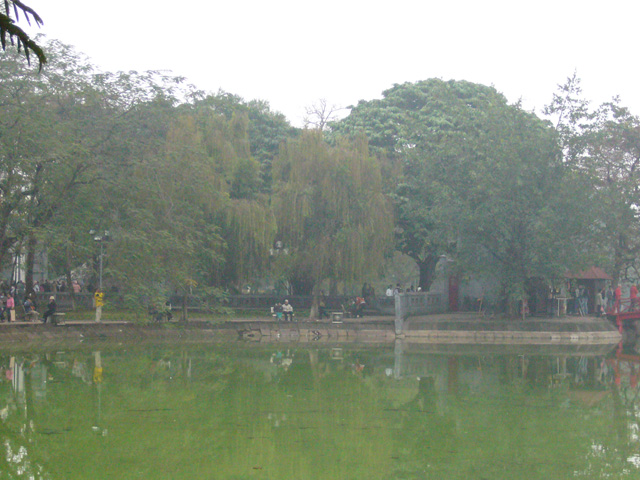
624	305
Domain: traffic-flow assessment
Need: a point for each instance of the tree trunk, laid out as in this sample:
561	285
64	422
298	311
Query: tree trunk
72	293
333	287
184	306
29	263
427	269
315	302
302	285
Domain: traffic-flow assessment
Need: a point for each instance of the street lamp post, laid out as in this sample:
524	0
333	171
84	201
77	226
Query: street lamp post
100	238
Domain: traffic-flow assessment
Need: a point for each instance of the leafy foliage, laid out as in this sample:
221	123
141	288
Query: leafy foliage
479	179
602	146
17	36
330	209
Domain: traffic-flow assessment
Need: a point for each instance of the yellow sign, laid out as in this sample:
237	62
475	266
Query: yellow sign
99	299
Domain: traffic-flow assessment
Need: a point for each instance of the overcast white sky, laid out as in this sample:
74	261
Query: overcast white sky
293	53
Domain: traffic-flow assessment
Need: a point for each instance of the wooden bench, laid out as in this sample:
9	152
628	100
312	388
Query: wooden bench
58	318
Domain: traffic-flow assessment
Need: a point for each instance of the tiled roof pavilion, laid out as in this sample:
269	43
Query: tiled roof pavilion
593	273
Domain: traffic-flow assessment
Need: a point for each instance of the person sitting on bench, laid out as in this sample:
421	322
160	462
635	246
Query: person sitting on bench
50	311
360	304
30	312
287	310
322	310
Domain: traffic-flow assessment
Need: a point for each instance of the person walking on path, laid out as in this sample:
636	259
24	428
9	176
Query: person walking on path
50	311
98	299
11	308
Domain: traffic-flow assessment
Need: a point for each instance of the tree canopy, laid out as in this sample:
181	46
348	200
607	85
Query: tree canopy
330	210
195	188
477	179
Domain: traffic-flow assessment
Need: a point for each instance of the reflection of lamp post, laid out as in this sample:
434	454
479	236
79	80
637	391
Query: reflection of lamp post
100	238
277	250
97	380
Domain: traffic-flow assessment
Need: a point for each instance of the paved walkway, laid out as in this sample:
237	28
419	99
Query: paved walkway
195	319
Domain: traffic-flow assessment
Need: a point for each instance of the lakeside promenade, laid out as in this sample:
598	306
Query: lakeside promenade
452	328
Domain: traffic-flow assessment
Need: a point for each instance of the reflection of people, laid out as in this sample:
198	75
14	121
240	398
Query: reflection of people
360	304
287	310
98	299
50	311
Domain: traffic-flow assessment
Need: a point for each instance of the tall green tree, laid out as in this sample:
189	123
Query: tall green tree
265	129
480	180
429	132
331	212
602	145
43	151
523	215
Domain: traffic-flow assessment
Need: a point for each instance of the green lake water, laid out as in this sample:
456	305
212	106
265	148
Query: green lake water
254	411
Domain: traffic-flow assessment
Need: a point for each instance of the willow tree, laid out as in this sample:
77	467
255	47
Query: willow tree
186	207
247	225
332	214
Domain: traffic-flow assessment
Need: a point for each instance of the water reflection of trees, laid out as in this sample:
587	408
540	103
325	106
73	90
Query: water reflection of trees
317	413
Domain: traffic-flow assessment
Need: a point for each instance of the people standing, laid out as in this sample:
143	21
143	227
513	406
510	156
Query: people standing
584	301
98	299
50	311
20	291
11	308
576	300
599	301
617	293
610	298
